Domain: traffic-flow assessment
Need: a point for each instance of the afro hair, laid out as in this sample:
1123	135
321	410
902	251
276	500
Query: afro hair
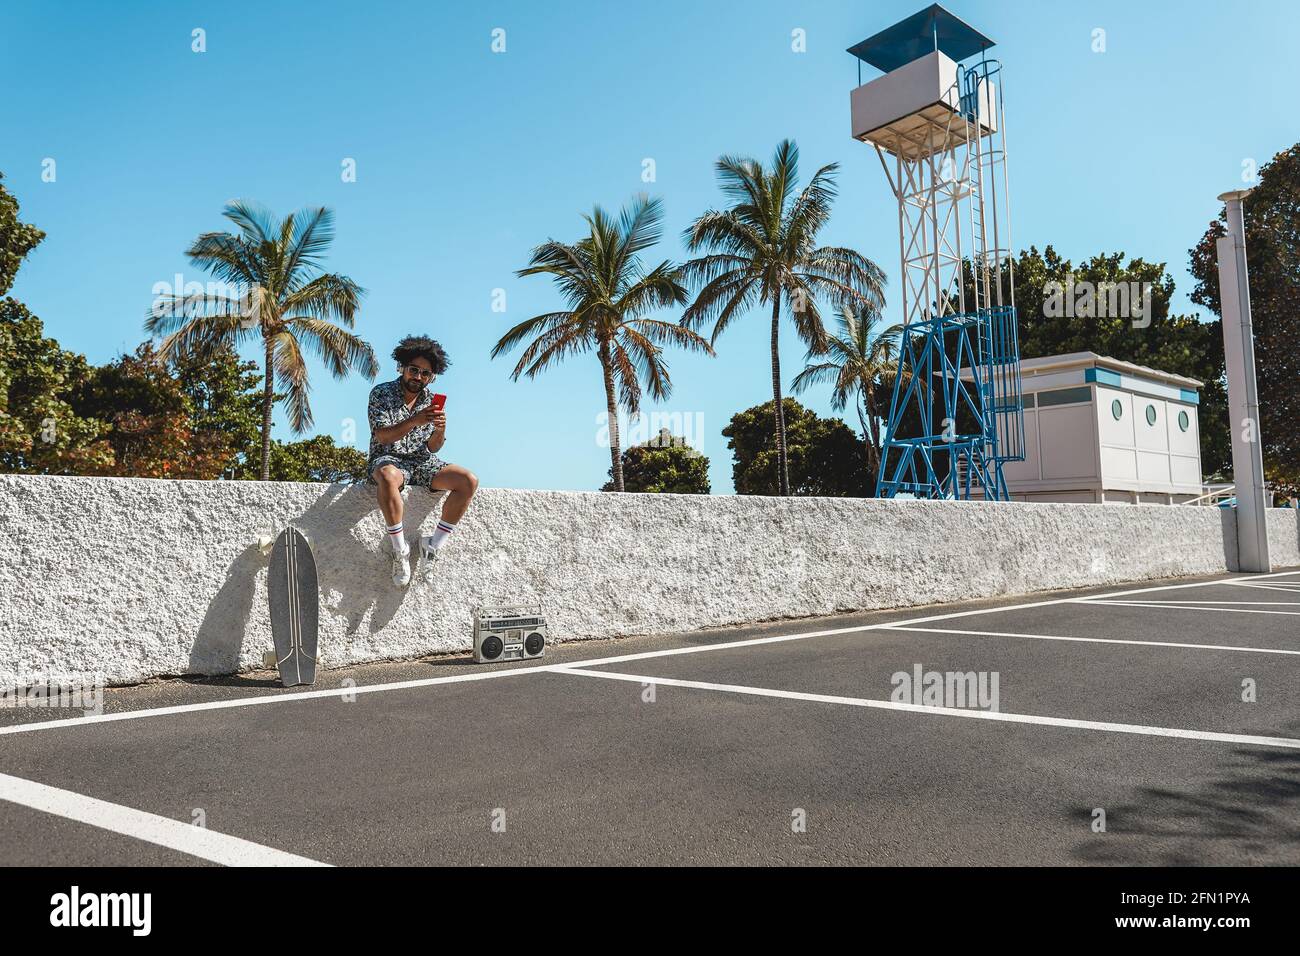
421	346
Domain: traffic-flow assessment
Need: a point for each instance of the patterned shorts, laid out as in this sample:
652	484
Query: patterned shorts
415	471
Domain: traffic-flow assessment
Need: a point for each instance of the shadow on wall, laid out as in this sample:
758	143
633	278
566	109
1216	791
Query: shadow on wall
1228	522
1281	556
342	525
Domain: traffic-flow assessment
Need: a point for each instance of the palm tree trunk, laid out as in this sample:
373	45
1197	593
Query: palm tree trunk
268	399
779	413
615	452
869	450
873	418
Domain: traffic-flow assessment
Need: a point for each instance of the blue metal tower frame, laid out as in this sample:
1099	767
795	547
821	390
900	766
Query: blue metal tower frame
966	396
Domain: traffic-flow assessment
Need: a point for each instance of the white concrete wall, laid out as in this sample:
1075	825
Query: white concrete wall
1284	537
138	577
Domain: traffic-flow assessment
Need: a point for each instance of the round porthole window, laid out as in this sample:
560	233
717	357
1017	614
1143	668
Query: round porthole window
1116	409
1183	421
1151	414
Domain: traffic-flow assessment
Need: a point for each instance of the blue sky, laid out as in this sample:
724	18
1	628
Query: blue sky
467	158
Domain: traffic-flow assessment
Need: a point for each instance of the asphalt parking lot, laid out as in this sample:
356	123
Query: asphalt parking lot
1153	723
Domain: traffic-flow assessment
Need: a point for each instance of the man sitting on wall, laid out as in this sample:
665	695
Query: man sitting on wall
406	432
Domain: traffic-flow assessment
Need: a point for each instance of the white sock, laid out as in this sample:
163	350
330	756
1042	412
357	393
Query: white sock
396	540
441	534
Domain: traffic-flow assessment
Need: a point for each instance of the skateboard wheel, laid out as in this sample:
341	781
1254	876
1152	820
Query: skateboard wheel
268	660
265	543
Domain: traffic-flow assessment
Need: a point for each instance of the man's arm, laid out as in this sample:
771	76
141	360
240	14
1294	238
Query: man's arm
390	434
439	435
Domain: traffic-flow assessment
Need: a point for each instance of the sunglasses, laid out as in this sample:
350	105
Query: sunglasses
417	371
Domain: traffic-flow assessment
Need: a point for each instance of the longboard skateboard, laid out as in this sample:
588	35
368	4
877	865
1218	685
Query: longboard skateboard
295	607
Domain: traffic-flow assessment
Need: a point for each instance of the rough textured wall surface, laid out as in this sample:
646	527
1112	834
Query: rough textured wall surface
1284	537
138	577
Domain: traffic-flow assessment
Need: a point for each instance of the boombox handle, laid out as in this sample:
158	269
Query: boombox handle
525	607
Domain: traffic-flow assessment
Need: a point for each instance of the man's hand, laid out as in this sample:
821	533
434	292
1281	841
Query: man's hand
439	419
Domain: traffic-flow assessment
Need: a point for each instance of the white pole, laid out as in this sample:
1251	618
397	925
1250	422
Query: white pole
1243	399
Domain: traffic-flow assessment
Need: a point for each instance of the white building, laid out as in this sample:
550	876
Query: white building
1101	430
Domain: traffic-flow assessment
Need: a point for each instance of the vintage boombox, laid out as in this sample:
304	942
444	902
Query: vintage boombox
511	632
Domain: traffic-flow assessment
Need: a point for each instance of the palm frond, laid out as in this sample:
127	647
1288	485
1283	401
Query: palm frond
851	268
291	379
202	334
720	299
705	269
815	375
229	258
312	232
340	350
726	231
522	330
660	332
812	207
660	288
639	226
649	362
327	296
549	348
254	220
625	374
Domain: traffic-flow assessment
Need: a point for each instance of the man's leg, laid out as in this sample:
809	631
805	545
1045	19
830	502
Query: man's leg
389	479
460	484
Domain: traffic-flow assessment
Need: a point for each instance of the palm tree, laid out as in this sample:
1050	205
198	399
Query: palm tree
274	288
858	363
762	251
608	293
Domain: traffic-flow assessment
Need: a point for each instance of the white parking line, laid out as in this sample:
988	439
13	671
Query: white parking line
162	831
1093	640
1166	605
1278	586
595	661
1200	603
1260	741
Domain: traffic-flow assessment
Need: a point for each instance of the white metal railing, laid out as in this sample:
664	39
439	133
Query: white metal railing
1215	497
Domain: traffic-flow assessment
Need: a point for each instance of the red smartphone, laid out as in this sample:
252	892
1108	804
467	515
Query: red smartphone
439	401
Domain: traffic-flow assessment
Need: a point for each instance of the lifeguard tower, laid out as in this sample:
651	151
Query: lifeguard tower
936	120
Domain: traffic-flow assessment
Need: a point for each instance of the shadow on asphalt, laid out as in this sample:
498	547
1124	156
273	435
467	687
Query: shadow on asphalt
1248	805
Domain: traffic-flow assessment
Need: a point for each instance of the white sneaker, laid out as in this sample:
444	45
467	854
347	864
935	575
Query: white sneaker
401	563
428	559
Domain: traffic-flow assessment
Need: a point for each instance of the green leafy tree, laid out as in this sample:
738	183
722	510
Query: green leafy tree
40	432
608	294
860	360
1272	222
823	454
272	288
671	468
16	238
762	251
1182	344
148	416
317	459
191	418
225	406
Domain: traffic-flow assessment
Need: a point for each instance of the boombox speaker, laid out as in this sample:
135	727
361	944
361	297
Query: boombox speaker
512	632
